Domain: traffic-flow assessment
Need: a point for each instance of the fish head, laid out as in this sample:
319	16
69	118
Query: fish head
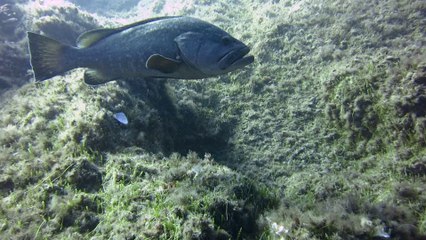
213	52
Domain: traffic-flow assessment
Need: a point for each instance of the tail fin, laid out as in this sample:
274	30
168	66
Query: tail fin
48	56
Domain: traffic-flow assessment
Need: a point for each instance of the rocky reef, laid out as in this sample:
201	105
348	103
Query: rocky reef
14	63
64	22
323	137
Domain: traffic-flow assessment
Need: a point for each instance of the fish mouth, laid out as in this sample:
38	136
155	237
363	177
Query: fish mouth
235	59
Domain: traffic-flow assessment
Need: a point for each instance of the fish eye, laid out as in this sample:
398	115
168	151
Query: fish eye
226	40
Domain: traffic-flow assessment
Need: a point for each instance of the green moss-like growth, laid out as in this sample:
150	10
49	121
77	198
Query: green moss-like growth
65	156
323	137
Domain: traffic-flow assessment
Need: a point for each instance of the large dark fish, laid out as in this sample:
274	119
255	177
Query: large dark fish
165	47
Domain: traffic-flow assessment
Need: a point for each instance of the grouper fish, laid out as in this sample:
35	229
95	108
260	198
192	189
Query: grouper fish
164	47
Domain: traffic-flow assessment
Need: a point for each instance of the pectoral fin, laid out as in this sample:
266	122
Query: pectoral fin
95	77
162	64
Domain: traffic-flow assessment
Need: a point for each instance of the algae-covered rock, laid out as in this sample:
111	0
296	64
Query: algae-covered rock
67	145
102	6
62	21
13	56
323	137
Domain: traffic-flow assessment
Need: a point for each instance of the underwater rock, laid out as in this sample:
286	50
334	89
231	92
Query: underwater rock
87	221
420	76
411	105
323	78
414	100
61	22
233	218
416	169
406	232
80	212
102	6
208	232
86	177
10	19
13	57
406	191
6	186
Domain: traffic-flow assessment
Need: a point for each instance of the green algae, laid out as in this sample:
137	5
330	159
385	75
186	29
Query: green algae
80	181
321	138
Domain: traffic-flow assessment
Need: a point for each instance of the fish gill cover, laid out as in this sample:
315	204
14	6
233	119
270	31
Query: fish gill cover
322	137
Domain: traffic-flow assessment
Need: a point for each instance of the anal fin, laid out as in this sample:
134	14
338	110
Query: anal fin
95	77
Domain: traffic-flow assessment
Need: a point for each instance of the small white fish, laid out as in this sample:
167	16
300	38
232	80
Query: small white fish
381	232
121	117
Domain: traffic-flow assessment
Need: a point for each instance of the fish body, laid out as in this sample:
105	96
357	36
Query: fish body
165	47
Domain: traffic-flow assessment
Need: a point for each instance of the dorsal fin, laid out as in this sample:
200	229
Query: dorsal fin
91	37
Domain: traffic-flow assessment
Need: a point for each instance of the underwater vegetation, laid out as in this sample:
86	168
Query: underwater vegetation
322	137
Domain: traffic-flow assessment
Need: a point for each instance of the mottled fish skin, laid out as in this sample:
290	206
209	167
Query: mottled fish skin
166	47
